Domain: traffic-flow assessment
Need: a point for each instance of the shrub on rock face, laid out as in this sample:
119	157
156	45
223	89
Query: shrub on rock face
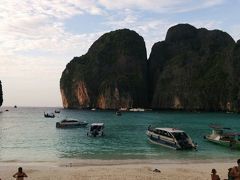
111	75
191	70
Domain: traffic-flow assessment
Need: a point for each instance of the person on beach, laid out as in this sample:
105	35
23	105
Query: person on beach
214	175
235	172
20	175
229	174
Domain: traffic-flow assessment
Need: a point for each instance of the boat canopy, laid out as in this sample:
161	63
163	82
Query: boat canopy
97	124
70	120
169	129
218	127
232	134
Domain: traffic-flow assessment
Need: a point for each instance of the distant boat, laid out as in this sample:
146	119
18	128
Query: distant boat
137	109
57	111
71	123
123	109
96	129
171	138
49	115
224	136
93	109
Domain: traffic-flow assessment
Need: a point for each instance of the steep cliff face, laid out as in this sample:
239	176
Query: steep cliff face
111	75
192	70
1	94
235	93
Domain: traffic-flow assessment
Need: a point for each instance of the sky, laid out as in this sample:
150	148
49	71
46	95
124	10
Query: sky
39	37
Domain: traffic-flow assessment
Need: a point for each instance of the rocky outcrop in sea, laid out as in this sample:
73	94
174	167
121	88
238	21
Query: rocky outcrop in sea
194	69
112	74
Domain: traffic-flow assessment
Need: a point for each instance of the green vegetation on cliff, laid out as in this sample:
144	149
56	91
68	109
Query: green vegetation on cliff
111	75
192	69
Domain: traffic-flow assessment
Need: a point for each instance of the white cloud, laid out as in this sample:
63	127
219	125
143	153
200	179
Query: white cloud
140	4
28	25
35	46
234	30
208	24
161	6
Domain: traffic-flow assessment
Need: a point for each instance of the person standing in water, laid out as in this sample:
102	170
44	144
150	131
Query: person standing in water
20	175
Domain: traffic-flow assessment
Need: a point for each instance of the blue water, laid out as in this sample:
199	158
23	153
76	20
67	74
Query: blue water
25	135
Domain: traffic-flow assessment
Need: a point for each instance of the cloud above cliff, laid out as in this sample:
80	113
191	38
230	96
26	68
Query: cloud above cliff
40	37
29	25
160	6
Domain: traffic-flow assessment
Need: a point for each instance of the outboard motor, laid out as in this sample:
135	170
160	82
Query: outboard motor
95	132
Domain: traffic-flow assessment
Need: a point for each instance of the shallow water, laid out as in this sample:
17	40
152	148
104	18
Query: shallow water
25	135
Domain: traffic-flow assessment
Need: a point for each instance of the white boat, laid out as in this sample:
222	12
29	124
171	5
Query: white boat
170	138
224	136
96	129
136	110
123	109
71	123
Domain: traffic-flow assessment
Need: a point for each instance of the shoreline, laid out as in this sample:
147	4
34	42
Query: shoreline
100	162
116	170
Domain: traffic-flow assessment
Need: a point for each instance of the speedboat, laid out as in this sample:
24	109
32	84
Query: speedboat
71	123
49	115
224	136
171	138
96	129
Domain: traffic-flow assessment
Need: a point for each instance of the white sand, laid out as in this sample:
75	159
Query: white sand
115	170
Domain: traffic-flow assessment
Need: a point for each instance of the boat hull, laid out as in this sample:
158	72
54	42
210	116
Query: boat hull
156	139
224	143
95	134
76	125
168	142
163	143
49	116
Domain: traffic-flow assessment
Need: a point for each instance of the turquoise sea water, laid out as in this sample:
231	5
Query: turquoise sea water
25	135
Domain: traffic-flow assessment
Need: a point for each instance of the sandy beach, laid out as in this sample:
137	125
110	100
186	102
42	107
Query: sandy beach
115	170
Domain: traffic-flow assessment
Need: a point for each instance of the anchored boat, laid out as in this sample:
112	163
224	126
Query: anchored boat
71	123
96	129
49	115
57	111
224	136
171	138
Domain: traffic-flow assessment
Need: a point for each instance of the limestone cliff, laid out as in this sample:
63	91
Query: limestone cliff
192	69
111	75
